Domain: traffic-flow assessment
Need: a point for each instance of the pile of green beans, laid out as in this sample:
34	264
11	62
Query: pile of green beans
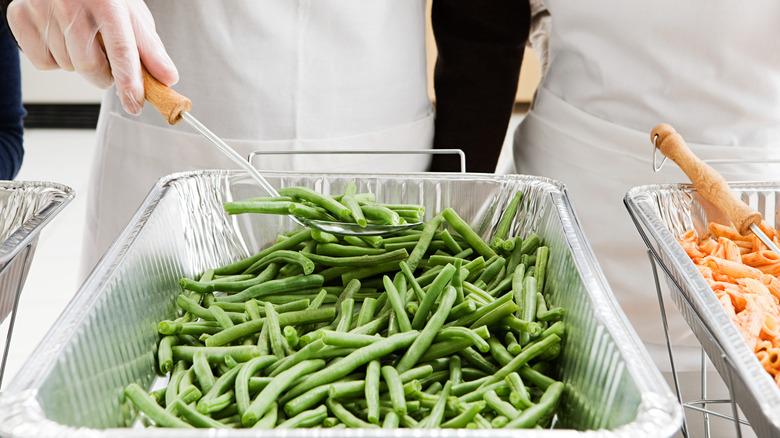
350	207
430	328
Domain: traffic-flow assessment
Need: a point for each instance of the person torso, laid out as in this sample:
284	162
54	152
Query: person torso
710	68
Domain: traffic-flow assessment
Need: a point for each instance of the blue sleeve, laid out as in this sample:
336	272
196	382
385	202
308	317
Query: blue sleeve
11	110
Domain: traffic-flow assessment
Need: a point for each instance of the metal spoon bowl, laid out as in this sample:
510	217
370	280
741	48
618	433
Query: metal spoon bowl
348	229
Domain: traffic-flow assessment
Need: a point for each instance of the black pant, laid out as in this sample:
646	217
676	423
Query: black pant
480	47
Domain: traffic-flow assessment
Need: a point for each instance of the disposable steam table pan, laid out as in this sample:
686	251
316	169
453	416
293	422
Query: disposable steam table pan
73	383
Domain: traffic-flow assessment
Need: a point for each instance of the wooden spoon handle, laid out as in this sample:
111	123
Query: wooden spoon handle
168	102
712	186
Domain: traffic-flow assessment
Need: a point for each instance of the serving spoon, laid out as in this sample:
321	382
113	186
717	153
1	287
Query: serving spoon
176	107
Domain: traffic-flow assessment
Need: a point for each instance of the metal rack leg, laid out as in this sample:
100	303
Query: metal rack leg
24	260
730	368
668	342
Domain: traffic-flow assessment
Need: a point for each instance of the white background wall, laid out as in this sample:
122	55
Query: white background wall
55	86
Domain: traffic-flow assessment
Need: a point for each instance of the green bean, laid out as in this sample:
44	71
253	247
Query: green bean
512	346
253	326
530	244
547	403
366	313
268	395
359	260
306	400
528	353
395	388
496	315
148	406
436	376
242	380
188	305
431	295
202	369
491	271
345	339
412	281
196	418
328	203
262	207
338	250
462	309
381	214
479	361
276	287
475	291
306	419
362	272
500	406
519	396
226	285
310	212
461	227
509	213
215	355
274	332
423	243
172	390
455	371
345	315
165	354
542	255
434	388
473	317
527	304
221	316
283	256
391	421
372	390
451	243
395	301
349	200
428	333
437	413
445	348
345	416
355	359
467	415
268	421
299	356
241	265
479	393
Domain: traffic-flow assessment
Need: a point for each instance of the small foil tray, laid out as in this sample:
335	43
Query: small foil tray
25	209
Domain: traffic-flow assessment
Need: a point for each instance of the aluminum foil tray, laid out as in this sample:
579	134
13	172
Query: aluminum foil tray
663	212
73	383
25	208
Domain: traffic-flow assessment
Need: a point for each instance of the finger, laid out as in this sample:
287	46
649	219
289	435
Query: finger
90	60
120	44
150	47
27	24
82	46
55	41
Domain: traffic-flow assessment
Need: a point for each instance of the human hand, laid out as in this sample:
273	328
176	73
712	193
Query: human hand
66	34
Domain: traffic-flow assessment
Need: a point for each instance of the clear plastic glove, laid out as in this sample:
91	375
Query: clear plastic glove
64	34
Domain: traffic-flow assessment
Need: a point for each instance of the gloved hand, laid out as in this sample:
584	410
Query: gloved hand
64	34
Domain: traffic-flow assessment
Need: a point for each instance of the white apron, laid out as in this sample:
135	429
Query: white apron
617	69
269	75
